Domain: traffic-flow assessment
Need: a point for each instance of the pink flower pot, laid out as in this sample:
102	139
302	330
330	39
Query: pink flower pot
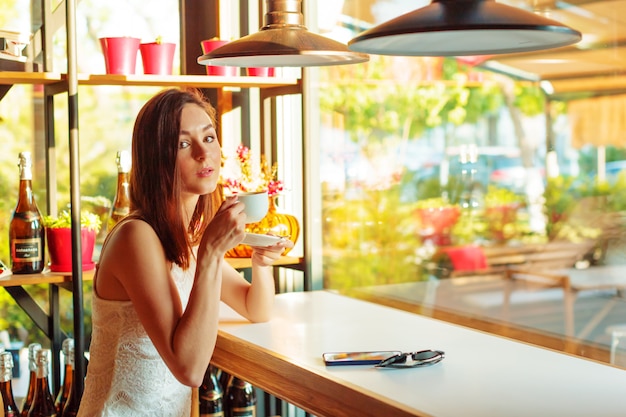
120	54
260	71
157	58
59	242
208	46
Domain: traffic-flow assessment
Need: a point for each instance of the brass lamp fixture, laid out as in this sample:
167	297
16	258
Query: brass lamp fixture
464	27
284	41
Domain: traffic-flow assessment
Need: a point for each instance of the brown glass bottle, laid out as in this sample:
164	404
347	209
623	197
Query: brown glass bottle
9	408
70	408
64	391
240	399
26	231
121	204
210	395
32	368
43	402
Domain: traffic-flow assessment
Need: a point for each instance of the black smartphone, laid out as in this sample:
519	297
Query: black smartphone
357	358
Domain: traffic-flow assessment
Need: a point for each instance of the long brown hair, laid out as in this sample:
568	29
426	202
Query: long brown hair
155	183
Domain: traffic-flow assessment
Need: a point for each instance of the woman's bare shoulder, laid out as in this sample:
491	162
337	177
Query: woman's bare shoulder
133	250
130	233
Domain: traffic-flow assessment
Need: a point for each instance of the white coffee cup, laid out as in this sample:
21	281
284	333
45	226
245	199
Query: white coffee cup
256	205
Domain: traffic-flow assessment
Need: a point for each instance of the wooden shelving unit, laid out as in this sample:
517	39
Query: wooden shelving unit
48	322
60	83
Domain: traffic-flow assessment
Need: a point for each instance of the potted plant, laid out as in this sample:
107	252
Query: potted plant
120	54
208	45
436	218
59	239
501	207
157	57
243	174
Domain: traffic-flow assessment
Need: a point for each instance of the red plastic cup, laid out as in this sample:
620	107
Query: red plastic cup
157	58
209	45
120	54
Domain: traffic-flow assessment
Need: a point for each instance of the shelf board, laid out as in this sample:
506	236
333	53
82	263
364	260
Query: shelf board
19	77
66	277
200	81
45	278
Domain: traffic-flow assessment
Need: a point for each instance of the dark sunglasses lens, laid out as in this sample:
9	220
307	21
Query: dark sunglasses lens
393	359
400	358
426	355
422	358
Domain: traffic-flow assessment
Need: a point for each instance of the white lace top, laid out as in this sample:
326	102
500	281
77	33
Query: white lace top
126	375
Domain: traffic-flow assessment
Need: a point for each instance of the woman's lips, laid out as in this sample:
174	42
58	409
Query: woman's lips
205	172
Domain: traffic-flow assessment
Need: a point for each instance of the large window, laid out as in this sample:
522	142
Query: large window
422	154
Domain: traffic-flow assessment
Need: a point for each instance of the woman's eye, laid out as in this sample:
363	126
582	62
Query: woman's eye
209	138
183	145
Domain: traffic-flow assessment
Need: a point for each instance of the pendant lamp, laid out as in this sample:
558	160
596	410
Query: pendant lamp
464	27
284	41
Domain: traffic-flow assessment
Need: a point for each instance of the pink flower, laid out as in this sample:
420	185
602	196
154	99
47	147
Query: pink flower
249	176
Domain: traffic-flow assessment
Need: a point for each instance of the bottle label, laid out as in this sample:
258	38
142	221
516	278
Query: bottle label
249	411
211	396
215	414
26	249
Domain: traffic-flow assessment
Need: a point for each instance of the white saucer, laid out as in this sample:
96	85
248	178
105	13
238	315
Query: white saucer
253	239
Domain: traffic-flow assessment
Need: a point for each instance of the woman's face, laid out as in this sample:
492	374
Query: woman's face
199	155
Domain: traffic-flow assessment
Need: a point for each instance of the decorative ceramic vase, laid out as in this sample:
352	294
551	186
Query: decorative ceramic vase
157	57
275	223
59	241
120	54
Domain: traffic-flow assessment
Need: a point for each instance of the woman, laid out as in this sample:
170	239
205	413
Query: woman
162	273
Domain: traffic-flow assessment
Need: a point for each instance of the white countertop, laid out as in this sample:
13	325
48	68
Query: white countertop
482	375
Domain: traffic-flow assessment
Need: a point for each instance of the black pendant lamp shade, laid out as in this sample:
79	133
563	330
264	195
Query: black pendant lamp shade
283	42
464	27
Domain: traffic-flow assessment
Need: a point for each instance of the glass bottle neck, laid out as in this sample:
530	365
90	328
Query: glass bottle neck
26	189
6	388
25	173
42	388
122	198
26	198
69	375
6	374
7	401
42	372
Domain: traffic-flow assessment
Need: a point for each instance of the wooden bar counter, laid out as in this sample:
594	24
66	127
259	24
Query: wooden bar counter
481	375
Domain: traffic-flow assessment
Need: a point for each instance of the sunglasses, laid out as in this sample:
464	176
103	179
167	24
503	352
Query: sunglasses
412	359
